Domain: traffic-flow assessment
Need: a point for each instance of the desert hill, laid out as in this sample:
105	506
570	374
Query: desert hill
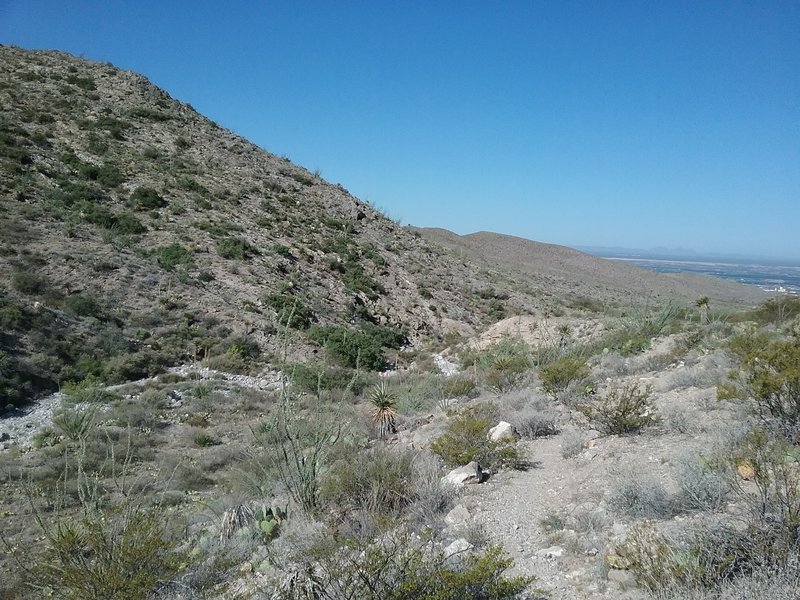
138	233
568	272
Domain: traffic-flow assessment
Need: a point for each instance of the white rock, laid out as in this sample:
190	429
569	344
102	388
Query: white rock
459	546
503	430
471	473
458	516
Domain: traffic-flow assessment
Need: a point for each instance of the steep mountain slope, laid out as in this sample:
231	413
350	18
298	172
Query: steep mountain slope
137	233
567	272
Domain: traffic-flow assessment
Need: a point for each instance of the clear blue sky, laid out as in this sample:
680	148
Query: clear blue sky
626	123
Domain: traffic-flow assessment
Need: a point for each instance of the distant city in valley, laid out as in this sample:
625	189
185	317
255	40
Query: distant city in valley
770	274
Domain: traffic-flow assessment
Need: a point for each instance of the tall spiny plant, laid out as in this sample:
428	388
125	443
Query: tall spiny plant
384	410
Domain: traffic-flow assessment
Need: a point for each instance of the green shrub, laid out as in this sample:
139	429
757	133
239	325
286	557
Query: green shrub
504	364
380	481
85	83
457	386
314	378
235	248
398	565
169	257
776	311
103	556
108	175
559	374
622	410
90	390
83	306
356	349
203	440
291	310
130	366
127	224
769	378
466	439
145	198
28	282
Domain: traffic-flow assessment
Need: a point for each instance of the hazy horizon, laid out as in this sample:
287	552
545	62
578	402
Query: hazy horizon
601	124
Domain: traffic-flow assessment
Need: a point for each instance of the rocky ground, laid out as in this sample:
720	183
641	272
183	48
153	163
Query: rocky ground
556	519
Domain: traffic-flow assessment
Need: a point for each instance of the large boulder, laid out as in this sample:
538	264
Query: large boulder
457	547
502	431
471	473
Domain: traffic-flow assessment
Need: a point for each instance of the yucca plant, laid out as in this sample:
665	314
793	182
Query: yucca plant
384	412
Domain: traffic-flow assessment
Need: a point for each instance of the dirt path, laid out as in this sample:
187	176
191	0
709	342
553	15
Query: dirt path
556	519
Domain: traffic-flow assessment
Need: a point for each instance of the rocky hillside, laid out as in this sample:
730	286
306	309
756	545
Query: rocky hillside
138	234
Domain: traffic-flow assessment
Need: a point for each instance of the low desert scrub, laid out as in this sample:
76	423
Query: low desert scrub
703	482
458	386
572	444
532	416
638	494
467	439
394	565
357	349
537	424
635	332
771	465
557	376
90	391
295	449
712	558
103	533
503	365
621	411
677	419
384	483
769	379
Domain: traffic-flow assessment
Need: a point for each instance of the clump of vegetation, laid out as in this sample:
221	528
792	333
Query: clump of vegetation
358	349
146	198
639	494
639	328
504	364
379	481
291	310
623	410
238	356
314	378
384	411
172	256
557	376
235	248
28	282
100	555
90	391
467	439
457	386
769	379
83	306
398	565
